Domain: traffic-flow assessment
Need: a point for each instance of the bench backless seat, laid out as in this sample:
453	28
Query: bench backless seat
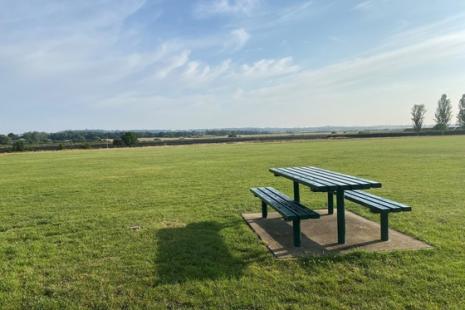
377	204
289	209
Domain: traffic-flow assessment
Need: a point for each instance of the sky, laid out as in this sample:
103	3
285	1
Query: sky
186	64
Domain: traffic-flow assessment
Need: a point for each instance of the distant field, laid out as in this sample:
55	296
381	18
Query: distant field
215	139
161	227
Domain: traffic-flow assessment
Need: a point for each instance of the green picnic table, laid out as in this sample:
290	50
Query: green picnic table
344	186
321	180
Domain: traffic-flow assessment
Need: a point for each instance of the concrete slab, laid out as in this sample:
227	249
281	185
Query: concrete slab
319	237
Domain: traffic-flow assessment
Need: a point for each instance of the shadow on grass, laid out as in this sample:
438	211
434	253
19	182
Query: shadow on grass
194	252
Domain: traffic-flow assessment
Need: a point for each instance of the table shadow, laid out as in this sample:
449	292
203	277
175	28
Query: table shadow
194	252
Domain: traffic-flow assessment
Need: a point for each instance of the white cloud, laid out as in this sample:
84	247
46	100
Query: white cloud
402	59
196	72
266	68
383	85
451	24
364	5
172	63
88	63
212	7
239	37
293	12
57	17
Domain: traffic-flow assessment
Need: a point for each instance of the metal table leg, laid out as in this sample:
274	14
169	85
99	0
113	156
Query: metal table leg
341	222
296	192
330	202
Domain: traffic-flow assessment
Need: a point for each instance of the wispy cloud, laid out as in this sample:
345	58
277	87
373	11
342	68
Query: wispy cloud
213	7
239	37
196	72
291	12
450	24
86	56
266	68
172	63
364	5
375	85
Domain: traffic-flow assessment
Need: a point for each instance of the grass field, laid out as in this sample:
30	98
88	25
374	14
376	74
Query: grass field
161	228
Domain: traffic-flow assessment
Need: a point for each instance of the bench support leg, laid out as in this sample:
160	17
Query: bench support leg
330	202
384	226
296	192
341	221
264	210
296	229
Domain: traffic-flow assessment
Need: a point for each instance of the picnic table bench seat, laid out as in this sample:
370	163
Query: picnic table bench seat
377	204
288	208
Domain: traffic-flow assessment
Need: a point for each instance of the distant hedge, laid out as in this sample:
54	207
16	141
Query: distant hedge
238	139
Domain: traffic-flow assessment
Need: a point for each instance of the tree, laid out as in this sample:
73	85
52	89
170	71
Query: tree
443	113
18	146
35	137
418	115
12	136
461	115
5	140
79	138
118	142
129	138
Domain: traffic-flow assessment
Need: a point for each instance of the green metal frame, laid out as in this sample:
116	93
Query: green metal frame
341	221
330	202
296	223
295	226
322	180
292	214
297	234
384	226
264	210
296	192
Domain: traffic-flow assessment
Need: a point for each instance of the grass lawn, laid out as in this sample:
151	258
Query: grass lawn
161	228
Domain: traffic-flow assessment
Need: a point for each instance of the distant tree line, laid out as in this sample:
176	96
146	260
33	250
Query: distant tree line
126	139
119	138
442	116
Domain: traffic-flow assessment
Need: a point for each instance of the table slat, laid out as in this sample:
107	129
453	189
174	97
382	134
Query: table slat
322	180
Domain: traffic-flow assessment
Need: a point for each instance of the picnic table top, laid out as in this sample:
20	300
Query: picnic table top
322	180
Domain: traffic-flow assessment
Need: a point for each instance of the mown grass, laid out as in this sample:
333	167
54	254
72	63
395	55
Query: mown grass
161	228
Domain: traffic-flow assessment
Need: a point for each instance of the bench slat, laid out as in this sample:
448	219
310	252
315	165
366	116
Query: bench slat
401	205
366	203
285	212
297	208
393	205
375	203
282	202
289	209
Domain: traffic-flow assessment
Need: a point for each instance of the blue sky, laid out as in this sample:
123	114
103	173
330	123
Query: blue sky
179	64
